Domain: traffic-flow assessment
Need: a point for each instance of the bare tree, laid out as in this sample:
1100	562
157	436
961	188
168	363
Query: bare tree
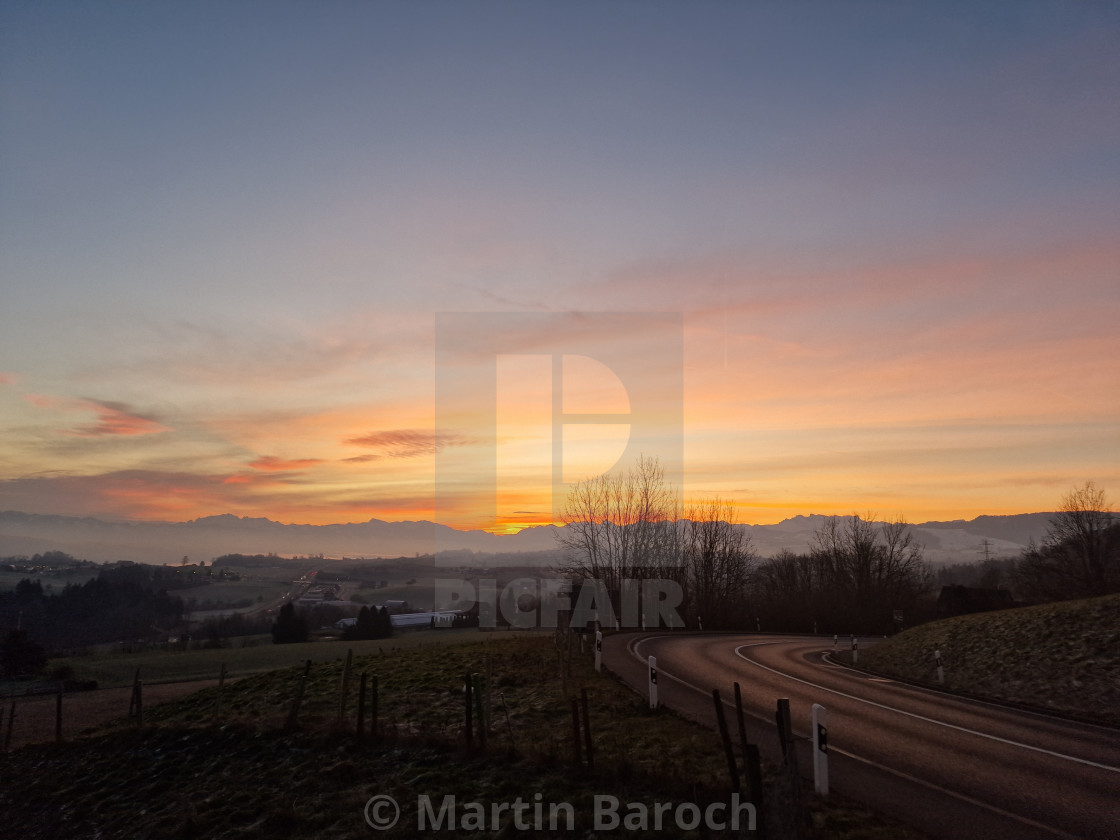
786	591
622	527
866	571
718	559
1080	556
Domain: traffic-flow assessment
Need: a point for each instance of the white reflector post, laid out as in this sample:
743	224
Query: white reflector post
653	682
598	650
820	749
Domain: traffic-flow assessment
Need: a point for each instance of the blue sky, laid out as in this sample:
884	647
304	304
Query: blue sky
226	229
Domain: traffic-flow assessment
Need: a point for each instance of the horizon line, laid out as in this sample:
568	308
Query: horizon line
504	533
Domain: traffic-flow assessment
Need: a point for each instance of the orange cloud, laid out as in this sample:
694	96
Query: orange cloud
410	443
361	459
273	464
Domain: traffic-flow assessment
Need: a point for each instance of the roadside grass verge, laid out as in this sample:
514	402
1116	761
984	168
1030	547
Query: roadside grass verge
1063	657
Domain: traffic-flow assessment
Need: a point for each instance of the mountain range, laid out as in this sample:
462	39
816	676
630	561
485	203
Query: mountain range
212	536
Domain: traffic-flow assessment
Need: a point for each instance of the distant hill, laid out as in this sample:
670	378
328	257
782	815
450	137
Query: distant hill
213	536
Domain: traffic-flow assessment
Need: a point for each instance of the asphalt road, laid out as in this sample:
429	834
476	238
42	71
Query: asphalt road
952	767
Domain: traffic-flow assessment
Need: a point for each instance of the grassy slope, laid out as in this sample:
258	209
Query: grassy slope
1063	656
186	777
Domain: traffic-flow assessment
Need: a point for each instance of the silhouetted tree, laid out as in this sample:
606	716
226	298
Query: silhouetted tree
786	593
864	572
363	628
718	560
290	627
1080	556
383	624
622	527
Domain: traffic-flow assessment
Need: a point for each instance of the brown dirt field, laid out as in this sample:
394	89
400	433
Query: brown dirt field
35	716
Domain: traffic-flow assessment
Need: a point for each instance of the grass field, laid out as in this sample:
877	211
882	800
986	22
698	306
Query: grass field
115	670
214	768
232	591
1063	656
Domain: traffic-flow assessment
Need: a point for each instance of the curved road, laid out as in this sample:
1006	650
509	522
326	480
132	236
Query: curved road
951	767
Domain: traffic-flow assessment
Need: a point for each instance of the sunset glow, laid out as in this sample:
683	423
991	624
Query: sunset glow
890	234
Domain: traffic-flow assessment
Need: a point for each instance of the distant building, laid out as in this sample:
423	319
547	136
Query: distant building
422	620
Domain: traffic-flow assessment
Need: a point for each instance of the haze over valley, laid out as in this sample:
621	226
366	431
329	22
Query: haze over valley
209	537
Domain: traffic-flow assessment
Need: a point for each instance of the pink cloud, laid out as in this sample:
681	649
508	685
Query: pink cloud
113	419
8	378
44	401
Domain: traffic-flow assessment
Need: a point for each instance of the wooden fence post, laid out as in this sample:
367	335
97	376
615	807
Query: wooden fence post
785	730
588	743
374	708
754	782
575	732
742	722
469	709
221	685
58	715
135	691
361	707
792	774
345	688
480	708
297	701
509	724
732	770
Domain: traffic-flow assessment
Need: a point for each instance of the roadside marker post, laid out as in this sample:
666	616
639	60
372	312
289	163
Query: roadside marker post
940	670
855	650
598	650
652	682
820	749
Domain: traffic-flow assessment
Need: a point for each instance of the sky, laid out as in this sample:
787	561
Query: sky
868	252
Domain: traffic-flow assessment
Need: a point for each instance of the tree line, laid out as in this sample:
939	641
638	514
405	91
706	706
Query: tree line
1079	556
121	603
292	625
858	576
629	525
